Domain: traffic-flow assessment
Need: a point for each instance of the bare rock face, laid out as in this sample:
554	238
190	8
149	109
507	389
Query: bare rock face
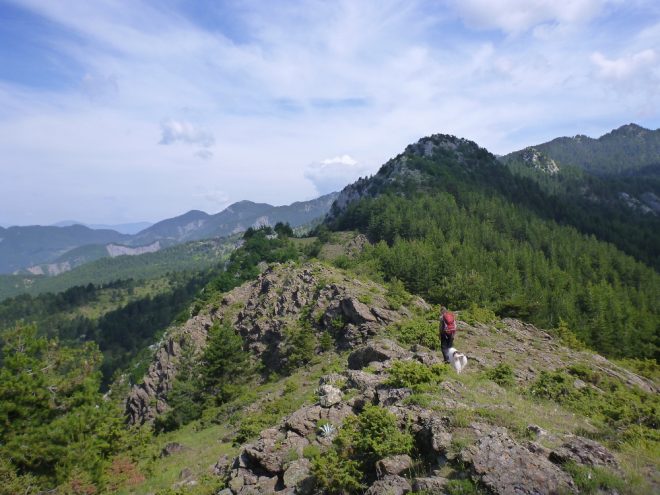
147	399
380	351
507	468
263	466
396	464
432	484
586	452
390	485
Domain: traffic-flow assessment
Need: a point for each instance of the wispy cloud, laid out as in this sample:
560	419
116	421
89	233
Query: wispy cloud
625	67
332	174
173	131
254	93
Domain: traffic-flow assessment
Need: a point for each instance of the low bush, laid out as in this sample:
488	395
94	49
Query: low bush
419	330
502	374
361	442
397	295
413	374
617	407
476	314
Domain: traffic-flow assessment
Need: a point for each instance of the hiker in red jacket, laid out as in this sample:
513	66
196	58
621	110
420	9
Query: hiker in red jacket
447	331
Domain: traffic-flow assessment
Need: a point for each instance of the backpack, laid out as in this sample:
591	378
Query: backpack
450	323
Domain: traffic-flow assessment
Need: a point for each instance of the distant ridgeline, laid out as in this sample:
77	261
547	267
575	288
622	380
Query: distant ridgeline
458	227
37	250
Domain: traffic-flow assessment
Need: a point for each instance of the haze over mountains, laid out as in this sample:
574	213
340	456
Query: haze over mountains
52	250
615	174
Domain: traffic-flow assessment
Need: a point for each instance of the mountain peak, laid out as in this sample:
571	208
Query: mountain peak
428	145
628	130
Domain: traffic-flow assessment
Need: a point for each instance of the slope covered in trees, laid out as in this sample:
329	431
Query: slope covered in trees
626	150
458	228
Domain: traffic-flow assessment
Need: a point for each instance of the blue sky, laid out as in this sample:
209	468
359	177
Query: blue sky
115	111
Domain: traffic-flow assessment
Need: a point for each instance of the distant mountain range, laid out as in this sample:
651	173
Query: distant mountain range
122	228
51	250
618	171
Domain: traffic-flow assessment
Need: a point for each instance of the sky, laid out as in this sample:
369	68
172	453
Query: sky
119	111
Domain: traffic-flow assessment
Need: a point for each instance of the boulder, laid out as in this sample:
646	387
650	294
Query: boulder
355	311
507	468
389	485
432	435
396	464
329	395
171	448
297	476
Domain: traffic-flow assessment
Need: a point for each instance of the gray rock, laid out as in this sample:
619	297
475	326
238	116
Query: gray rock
297	475
355	311
389	485
225	491
171	448
376	351
396	464
586	452
387	396
507	468
432	435
146	400
329	395
430	485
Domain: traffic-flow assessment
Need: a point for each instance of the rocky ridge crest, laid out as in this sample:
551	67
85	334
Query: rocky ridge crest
356	313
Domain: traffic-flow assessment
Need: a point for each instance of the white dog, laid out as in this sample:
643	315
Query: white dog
457	359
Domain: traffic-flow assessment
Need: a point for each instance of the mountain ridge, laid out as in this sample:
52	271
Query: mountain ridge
42	255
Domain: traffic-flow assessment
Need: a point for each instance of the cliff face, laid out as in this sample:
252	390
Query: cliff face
465	428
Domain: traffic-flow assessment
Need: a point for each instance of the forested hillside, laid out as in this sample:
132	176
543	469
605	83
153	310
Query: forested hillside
627	150
191	256
457	227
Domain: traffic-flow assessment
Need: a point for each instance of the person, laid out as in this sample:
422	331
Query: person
447	332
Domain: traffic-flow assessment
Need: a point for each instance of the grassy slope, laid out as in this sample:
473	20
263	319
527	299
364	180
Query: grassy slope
208	439
464	399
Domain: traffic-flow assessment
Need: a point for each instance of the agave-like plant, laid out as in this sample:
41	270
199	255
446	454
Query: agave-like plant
327	430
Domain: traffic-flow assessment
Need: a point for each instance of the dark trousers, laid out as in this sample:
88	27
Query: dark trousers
446	341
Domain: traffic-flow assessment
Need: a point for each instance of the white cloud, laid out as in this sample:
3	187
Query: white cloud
516	16
340	160
624	67
333	174
173	131
297	81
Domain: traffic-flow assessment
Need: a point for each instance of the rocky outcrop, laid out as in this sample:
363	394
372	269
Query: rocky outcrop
148	399
585	452
317	298
266	466
312	297
507	468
